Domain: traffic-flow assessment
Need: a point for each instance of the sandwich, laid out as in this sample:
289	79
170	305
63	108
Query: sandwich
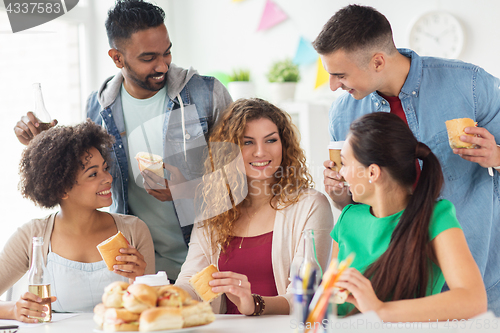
157	319
99	310
110	249
117	320
113	293
340	295
172	296
200	281
151	162
139	297
456	128
197	313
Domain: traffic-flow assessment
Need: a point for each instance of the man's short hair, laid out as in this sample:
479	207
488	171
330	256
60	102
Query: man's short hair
130	16
355	28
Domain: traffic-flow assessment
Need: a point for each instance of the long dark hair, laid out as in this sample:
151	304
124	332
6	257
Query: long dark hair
402	272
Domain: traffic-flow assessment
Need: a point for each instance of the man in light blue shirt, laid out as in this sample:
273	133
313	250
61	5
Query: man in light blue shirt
358	52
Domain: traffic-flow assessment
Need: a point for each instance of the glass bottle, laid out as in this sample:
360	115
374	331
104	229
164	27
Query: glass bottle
40	111
39	278
306	279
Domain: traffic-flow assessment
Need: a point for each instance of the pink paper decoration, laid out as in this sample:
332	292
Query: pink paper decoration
271	16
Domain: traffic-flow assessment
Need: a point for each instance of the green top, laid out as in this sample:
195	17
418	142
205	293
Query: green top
358	231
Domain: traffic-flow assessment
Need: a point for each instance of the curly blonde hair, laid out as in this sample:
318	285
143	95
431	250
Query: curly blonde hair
220	186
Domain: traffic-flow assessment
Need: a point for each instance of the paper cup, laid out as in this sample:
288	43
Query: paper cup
153	280
335	147
150	162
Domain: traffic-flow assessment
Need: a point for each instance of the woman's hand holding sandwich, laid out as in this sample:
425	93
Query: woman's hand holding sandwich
134	263
237	289
361	290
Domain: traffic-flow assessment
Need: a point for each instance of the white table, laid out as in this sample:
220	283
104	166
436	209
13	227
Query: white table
277	324
224	323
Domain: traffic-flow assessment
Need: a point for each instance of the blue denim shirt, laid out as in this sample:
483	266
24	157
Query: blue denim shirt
199	90
437	90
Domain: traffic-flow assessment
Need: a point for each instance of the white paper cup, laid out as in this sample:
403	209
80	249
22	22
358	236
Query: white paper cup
153	280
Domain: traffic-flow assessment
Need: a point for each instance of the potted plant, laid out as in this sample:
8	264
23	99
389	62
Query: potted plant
239	85
283	76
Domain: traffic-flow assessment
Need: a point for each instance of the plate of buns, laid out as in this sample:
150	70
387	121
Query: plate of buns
140	307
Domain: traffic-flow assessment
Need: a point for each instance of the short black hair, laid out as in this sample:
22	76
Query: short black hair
355	27
129	16
50	163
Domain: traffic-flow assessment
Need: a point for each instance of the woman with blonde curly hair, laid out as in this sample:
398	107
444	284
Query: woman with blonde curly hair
266	188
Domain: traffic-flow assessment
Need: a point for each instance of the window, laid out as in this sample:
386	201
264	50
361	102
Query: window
48	54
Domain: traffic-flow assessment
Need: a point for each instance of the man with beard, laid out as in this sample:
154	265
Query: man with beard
151	106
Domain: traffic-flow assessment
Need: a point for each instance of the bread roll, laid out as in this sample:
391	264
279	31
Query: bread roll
110	249
456	128
200	281
340	295
99	310
118	320
172	296
157	319
139	297
196	314
113	293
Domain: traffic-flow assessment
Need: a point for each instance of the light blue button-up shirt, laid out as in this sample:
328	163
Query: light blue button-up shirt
437	90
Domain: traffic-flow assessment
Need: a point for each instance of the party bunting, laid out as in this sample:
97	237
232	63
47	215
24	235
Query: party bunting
322	75
271	16
306	54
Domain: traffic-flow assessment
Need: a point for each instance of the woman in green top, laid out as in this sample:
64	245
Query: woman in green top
407	243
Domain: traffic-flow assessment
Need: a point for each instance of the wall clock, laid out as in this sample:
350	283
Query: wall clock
437	34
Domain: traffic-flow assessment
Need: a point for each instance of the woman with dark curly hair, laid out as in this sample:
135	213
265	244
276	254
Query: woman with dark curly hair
67	166
255	241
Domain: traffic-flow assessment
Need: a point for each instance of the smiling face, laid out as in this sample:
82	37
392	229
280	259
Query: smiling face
93	183
144	59
262	150
347	73
355	174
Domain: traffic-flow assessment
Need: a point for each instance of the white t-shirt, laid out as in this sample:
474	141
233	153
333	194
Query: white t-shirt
144	123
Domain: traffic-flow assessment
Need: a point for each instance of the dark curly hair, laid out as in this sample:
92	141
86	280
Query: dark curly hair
130	16
50	163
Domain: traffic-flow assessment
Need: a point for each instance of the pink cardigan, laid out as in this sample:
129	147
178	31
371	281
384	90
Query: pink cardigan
313	211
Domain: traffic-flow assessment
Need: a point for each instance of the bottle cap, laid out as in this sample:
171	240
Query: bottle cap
153	280
37	240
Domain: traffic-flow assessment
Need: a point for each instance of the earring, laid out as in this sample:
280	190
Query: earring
369	181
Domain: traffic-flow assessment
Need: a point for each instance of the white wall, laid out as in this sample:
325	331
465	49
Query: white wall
221	34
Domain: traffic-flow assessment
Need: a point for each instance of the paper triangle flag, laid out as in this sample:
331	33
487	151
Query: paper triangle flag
322	75
271	16
306	54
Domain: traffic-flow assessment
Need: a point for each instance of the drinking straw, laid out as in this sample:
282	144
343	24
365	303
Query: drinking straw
309	293
332	268
319	309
